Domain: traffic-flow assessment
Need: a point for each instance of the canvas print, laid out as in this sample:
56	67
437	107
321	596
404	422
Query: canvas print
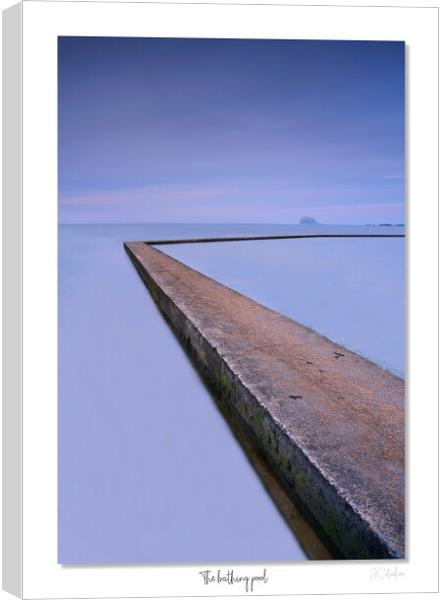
231	300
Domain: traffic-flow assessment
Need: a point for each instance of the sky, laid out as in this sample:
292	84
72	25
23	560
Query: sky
154	130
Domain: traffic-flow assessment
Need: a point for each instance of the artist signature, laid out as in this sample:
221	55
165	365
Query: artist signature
386	573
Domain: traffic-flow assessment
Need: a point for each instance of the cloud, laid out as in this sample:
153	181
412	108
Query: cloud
226	202
394	177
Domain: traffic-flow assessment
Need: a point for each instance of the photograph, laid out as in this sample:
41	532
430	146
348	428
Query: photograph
231	318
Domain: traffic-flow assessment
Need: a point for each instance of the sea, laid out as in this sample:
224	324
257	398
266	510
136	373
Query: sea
148	470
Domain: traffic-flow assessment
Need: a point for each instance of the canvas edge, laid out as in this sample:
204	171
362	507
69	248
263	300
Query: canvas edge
12	300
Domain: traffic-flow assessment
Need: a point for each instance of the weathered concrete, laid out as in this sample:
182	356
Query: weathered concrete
329	422
272	237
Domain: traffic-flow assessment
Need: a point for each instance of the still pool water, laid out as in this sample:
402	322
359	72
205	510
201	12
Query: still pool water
350	290
148	470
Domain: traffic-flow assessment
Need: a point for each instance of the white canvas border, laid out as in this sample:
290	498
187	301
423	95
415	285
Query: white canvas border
42	23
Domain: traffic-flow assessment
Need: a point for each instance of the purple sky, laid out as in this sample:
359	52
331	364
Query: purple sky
230	131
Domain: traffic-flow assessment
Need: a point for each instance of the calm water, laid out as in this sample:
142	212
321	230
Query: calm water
350	290
149	472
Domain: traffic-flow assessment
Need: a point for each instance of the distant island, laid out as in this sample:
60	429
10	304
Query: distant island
308	221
